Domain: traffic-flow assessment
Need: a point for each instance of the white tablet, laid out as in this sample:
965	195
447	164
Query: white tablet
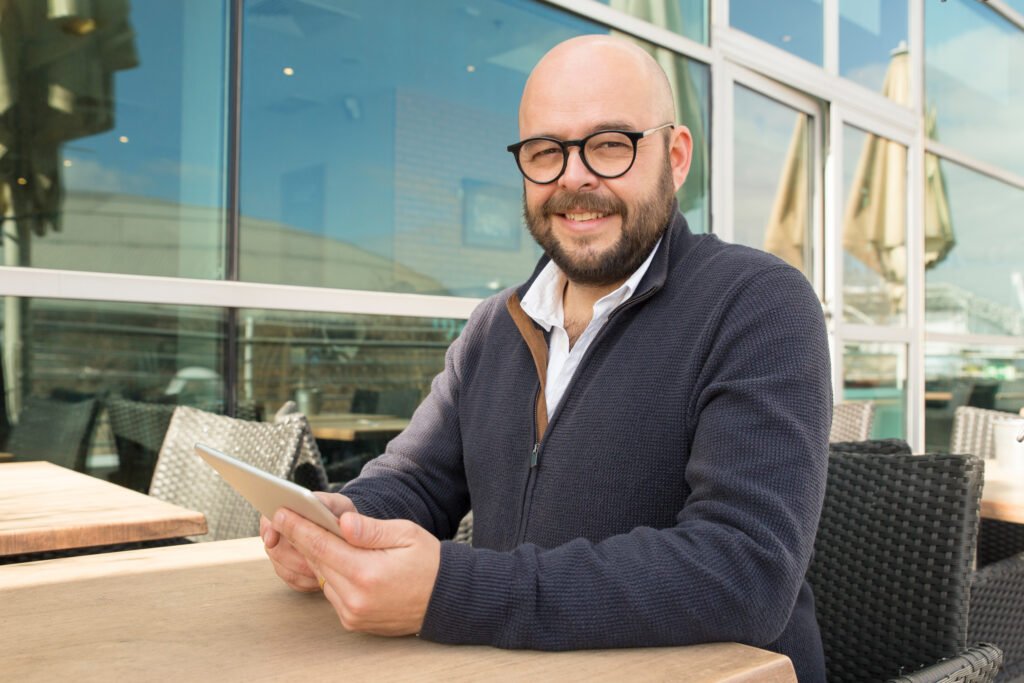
266	492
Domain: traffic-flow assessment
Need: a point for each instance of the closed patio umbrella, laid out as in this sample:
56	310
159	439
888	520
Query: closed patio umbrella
874	220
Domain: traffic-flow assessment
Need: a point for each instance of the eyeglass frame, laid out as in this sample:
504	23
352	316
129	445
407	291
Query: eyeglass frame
634	136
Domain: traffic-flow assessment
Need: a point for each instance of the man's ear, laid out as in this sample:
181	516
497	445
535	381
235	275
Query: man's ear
680	153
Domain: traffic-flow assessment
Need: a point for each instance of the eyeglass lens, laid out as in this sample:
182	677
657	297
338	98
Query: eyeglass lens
607	154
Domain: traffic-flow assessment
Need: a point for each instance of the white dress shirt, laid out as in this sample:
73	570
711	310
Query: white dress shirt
543	303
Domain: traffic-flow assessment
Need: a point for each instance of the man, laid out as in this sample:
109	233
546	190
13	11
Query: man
641	429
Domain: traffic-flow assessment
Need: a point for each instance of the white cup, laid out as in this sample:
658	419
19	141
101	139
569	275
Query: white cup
1009	452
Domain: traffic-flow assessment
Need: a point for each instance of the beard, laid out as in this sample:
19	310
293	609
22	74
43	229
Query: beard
643	224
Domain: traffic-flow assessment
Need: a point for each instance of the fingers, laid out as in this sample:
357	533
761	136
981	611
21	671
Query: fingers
335	502
268	533
367	532
288	563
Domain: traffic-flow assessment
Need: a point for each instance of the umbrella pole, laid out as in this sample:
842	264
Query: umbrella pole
12	348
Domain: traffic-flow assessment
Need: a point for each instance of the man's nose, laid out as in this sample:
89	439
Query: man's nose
577	176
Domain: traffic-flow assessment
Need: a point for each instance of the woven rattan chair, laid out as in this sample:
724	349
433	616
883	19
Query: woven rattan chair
183	478
851	421
54	430
997	612
309	468
978	664
877	446
972	430
139	429
464	534
892	564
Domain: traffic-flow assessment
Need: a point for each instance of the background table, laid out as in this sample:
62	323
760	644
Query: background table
216	611
1002	497
352	426
47	507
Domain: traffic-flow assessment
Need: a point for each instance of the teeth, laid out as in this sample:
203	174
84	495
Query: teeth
584	216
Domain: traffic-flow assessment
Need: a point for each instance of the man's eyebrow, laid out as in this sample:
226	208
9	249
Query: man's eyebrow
604	125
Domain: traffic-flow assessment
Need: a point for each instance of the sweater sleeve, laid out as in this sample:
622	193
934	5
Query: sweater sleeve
733	564
420	475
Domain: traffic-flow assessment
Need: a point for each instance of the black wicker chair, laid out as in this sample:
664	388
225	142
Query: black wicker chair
54	430
139	429
877	446
997	612
892	565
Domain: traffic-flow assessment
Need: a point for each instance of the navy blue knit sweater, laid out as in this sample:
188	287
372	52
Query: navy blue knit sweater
675	494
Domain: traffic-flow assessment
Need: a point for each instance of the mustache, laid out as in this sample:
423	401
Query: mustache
582	201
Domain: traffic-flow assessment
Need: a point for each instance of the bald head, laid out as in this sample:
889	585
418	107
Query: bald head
599	70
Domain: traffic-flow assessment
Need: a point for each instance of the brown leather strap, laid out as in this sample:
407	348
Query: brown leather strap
539	350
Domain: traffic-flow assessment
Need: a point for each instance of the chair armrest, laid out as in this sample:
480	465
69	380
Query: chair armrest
977	664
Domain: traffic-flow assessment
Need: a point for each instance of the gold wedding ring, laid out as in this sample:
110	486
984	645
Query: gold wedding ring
321	580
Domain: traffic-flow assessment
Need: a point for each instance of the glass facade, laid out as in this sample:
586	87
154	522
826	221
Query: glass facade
872	33
974	280
973	70
353	160
113	138
773	152
796	26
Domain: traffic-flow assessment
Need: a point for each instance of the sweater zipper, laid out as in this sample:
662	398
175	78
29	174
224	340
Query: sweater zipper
530	479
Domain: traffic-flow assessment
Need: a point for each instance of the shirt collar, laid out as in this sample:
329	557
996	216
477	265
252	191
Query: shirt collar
543	300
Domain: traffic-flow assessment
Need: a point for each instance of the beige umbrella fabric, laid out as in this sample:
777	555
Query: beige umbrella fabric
874	220
789	222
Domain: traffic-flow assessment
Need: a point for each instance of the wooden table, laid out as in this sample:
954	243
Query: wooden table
47	507
217	612
352	426
1003	495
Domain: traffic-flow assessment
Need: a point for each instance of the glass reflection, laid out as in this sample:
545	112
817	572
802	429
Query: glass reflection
70	365
877	372
871	33
688	18
373	142
979	287
112	137
772	173
989	377
973	81
874	229
796	26
357	377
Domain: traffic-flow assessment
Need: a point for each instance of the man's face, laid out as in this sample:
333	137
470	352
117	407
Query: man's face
597	230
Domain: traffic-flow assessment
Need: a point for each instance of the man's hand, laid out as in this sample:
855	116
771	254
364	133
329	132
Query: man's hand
289	564
380	580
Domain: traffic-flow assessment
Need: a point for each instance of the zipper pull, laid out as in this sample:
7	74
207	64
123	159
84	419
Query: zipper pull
533	456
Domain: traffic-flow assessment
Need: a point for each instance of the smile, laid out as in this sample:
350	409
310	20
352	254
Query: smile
588	216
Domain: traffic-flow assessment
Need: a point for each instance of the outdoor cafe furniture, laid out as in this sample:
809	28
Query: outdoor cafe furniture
892	567
46	508
851	421
281	448
217	611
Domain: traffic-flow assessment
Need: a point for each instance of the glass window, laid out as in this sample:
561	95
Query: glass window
373	142
873	46
65	362
688	18
772	168
974	81
357	377
973	247
793	25
874	229
878	373
112	137
982	376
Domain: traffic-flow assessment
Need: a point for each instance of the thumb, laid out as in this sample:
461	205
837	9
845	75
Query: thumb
369	532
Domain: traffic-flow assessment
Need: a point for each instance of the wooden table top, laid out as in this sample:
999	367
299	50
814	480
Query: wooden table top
1003	494
47	507
216	611
352	426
